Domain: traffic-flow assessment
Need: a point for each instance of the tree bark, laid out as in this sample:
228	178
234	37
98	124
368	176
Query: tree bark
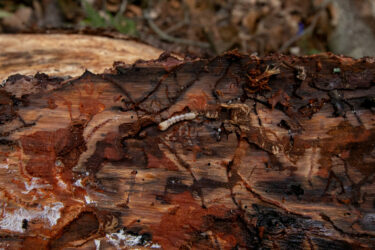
274	152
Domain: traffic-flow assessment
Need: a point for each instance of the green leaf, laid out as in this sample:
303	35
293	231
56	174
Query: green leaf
4	13
124	25
120	23
313	52
93	17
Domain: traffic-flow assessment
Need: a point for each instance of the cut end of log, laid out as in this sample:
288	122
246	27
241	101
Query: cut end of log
67	54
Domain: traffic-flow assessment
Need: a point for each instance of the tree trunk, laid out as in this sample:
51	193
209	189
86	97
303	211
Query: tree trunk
236	152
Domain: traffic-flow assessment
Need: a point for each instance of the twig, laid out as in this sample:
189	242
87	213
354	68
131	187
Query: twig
122	9
180	24
169	38
308	30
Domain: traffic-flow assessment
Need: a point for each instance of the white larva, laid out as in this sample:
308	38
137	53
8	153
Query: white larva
167	123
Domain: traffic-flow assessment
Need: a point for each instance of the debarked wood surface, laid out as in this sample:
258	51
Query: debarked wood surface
66	54
274	152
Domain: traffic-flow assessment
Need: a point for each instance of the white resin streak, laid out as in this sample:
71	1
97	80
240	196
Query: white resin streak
97	244
12	221
123	240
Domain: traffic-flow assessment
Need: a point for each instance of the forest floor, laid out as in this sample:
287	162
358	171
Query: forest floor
211	27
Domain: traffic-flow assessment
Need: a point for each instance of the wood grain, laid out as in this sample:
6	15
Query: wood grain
66	54
280	155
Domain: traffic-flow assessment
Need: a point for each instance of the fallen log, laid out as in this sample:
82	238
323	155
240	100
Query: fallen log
236	152
67	54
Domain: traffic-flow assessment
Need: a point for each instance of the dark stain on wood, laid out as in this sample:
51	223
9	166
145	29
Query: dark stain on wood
277	156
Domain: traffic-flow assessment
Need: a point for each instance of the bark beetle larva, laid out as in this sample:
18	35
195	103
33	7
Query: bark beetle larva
169	122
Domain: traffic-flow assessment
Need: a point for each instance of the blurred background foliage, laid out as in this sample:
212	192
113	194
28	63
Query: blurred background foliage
210	27
106	19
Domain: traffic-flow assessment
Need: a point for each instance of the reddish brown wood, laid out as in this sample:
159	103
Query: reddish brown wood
280	155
